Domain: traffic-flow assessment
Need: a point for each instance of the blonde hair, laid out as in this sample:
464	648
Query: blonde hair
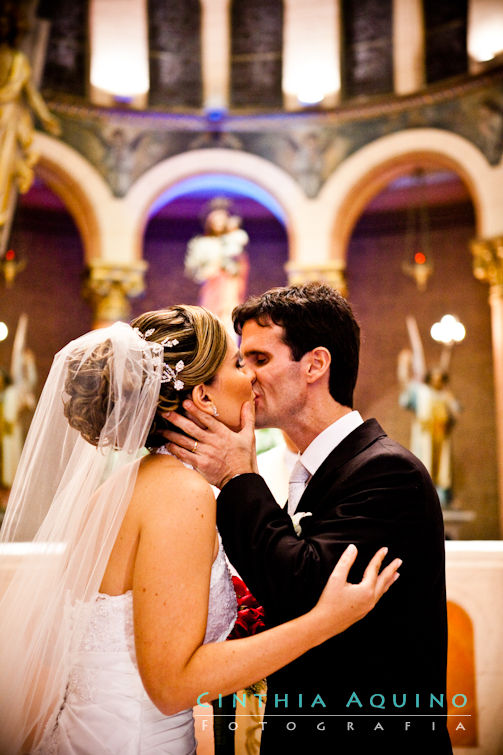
201	345
195	337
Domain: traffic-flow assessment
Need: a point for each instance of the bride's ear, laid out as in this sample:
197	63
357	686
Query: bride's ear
202	398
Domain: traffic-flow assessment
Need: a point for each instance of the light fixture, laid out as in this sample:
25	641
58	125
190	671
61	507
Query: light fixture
418	262
311	90
118	50
10	266
485	30
448	331
4	331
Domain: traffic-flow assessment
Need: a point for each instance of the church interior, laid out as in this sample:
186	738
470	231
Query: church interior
356	142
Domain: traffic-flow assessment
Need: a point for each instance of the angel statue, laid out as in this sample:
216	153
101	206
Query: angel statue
18	96
426	393
17	394
218	261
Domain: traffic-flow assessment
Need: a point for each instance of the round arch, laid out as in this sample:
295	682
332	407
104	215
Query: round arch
79	186
274	187
369	170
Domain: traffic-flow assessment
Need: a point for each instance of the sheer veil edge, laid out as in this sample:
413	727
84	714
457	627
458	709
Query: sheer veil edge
66	506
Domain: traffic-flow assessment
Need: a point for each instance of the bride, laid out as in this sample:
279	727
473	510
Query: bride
107	649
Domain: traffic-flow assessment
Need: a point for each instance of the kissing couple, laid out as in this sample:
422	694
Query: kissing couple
107	646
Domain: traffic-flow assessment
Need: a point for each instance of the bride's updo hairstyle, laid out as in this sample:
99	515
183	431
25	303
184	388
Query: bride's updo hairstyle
188	334
87	388
192	335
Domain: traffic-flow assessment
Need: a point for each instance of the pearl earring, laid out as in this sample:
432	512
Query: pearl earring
215	411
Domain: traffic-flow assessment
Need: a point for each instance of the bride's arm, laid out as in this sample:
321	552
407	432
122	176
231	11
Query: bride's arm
170	593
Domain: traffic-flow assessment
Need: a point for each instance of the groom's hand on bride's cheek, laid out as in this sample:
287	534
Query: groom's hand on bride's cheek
209	446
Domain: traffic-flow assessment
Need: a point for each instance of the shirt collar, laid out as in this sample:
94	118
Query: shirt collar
324	443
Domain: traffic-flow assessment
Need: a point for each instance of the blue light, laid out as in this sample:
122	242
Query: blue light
215	114
123	99
219	183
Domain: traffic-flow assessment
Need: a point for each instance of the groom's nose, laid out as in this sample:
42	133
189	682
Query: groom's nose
249	371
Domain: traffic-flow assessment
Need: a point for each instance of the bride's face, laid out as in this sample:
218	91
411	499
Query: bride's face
231	387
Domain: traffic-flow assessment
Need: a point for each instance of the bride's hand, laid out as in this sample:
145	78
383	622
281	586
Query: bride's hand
341	603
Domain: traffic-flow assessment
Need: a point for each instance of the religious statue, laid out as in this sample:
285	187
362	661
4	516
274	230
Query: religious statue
218	261
427	395
18	97
17	394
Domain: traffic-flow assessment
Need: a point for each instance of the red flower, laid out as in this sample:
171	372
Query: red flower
250	618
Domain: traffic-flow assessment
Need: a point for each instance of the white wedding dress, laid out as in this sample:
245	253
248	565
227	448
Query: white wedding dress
106	709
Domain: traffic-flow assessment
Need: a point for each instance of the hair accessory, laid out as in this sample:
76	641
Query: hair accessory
169	344
142	334
169	374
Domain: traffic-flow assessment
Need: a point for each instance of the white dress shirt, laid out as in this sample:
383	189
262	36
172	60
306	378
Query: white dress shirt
324	443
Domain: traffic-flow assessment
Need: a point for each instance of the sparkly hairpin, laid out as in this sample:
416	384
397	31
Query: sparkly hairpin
169	374
142	334
156	347
169	344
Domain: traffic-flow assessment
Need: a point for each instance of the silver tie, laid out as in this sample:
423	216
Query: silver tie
296	485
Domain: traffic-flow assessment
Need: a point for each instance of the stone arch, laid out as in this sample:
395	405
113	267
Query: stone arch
150	190
79	186
371	168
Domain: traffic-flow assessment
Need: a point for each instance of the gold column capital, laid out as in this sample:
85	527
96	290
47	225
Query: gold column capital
109	286
488	261
333	273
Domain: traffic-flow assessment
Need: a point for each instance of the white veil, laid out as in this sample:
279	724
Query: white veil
68	497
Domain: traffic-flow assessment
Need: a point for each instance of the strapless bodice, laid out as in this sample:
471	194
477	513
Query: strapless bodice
106	709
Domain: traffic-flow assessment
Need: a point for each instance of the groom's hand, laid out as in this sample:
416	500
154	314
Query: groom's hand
218	453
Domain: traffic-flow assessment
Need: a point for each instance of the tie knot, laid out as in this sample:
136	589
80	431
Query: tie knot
296	486
299	473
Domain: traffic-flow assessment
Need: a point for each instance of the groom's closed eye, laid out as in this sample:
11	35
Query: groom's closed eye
257	357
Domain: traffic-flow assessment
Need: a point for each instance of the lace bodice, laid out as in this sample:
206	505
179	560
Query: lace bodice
106	708
110	627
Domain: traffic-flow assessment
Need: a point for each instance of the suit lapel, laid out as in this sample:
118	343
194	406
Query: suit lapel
352	445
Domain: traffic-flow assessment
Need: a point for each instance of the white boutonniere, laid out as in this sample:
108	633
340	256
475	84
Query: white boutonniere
296	520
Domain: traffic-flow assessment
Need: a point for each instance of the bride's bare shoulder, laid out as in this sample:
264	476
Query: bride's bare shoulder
166	478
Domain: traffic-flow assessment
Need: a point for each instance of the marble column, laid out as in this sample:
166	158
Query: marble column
408	46
108	288
333	273
488	267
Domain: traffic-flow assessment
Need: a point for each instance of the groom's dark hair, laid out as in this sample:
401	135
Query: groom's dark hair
311	315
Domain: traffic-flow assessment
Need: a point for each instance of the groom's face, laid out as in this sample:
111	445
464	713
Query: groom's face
279	385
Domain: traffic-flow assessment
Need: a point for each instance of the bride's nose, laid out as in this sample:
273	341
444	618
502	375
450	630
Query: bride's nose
250	374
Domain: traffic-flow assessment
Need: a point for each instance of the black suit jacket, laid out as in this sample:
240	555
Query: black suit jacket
359	689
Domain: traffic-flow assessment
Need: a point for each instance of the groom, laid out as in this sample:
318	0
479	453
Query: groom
379	686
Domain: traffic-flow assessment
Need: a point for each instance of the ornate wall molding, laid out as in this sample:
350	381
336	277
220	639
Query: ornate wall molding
108	287
488	261
124	144
333	273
